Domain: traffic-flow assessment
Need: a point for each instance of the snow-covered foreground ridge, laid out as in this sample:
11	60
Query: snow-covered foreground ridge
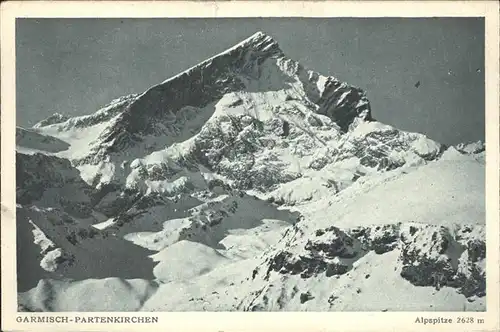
247	182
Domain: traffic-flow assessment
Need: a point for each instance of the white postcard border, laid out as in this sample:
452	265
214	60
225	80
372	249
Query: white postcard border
239	321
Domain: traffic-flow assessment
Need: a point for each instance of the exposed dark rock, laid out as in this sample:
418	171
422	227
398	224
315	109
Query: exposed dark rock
380	239
436	264
304	297
332	243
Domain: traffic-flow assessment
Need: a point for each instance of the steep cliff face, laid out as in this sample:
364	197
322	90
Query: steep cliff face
38	177
174	110
255	65
274	179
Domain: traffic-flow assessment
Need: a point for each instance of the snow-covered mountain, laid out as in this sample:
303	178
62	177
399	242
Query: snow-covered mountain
247	182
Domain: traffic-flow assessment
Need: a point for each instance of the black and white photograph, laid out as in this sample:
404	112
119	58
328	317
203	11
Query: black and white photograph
242	164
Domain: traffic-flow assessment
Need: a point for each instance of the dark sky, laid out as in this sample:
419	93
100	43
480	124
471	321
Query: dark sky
75	66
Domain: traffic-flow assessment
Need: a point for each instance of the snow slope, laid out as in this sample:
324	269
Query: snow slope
443	192
247	182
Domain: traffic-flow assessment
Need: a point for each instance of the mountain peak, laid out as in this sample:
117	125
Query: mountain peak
255	69
259	41
258	34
